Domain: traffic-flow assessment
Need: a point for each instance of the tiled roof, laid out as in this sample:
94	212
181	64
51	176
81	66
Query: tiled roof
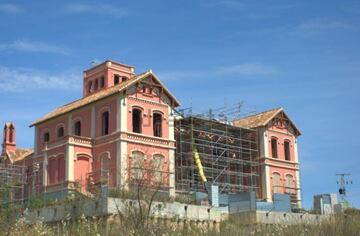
19	154
99	95
261	119
257	120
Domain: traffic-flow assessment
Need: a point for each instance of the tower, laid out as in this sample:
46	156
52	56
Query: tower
9	141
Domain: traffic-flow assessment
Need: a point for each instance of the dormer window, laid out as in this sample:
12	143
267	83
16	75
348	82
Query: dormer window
116	79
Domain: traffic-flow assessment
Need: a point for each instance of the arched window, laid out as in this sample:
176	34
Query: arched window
11	133
60	132
137	164
124	78
46	137
105	123
157	124
158	163
274	151
276	183
96	85
116	79
77	128
287	150
289	184
104	159
136	120
90	86
102	82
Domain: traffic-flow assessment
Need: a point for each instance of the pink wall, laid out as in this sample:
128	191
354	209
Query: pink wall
51	126
84	116
110	149
147	112
110	106
280	165
149	152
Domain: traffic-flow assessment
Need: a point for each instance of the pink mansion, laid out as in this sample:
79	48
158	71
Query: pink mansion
123	122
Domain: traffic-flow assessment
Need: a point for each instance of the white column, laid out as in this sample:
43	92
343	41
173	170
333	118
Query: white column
69	170
35	141
45	165
268	183
122	155
123	163
93	122
69	125
171	155
296	157
172	172
298	188
119	100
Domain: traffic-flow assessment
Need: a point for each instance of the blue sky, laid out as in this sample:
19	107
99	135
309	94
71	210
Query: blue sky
301	55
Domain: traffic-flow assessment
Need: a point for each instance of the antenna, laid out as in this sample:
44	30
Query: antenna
342	182
94	62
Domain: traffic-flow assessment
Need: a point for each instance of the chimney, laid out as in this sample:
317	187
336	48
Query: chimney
9	143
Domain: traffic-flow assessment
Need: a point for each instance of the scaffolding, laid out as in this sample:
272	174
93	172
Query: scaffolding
229	154
12	179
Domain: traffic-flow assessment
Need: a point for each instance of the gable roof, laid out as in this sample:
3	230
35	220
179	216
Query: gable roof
101	95
262	119
18	154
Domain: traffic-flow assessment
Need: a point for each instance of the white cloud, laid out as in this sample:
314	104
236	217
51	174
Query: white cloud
318	26
246	69
28	46
10	8
240	70
103	9
23	79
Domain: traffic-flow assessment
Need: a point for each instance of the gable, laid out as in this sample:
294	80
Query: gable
151	89
282	123
266	118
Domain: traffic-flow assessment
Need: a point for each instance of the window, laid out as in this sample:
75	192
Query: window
105	123
60	132
104	167
102	82
136	120
274	148
158	163
46	137
11	133
77	128
276	183
157	125
124	78
289	186
138	161
96	85
116	79
287	150
90	86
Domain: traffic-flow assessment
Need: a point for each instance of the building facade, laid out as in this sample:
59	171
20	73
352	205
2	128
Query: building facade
124	124
279	161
